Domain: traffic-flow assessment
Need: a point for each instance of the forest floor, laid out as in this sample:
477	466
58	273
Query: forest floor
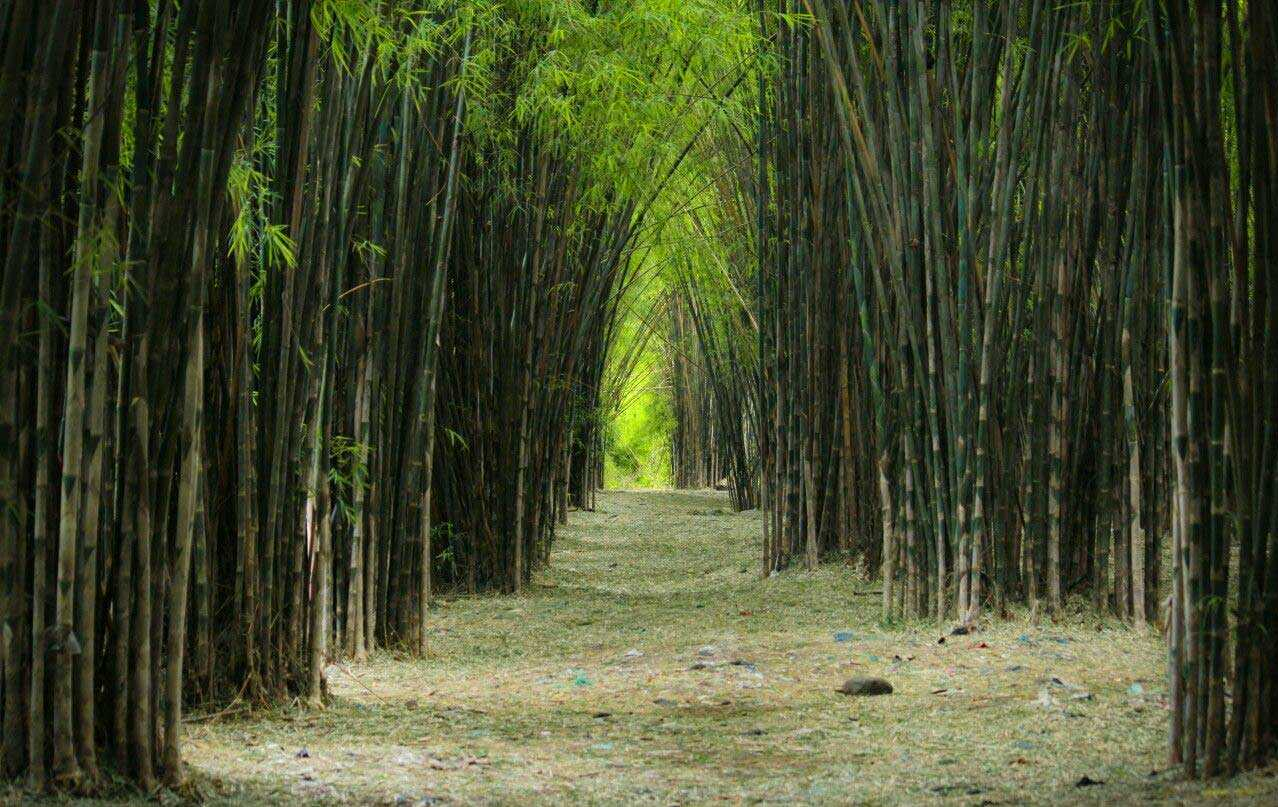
651	665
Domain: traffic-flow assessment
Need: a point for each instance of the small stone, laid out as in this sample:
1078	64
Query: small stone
406	758
865	686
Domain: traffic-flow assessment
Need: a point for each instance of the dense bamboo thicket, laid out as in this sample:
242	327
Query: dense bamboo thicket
1013	274
305	308
191	367
529	308
103	449
697	447
977	244
1217	66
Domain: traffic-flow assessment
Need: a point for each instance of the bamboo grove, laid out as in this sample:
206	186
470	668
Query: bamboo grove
305	305
312	309
1015	324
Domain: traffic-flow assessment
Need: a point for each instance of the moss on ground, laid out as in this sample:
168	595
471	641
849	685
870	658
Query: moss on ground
651	665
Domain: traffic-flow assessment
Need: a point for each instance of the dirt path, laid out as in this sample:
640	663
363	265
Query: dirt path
650	665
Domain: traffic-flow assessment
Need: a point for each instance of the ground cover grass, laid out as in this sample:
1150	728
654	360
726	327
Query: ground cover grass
651	665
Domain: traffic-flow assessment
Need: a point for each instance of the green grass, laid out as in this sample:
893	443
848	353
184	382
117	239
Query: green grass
612	682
